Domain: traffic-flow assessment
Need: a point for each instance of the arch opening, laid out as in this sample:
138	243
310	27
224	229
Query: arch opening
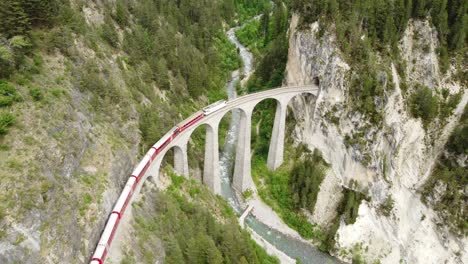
169	159
196	151
263	119
227	137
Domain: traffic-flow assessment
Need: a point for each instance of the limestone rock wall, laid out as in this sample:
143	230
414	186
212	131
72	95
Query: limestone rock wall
402	152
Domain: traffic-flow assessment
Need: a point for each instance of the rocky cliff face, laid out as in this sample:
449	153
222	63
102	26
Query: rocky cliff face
402	152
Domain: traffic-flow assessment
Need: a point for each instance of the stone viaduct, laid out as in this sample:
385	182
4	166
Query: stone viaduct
242	179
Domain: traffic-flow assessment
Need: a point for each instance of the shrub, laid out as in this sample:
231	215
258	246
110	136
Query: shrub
458	141
6	120
121	13
108	32
247	194
36	94
8	94
450	104
6	61
386	207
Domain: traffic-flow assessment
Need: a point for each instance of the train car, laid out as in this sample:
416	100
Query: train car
140	170
191	122
176	131
125	197
106	239
151	153
162	142
214	107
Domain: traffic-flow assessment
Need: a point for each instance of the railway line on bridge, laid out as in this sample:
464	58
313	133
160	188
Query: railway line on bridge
177	138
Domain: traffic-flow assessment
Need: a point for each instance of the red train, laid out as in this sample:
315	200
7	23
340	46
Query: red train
112	224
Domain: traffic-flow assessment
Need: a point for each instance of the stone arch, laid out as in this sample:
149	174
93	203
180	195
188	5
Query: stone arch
296	95
179	155
302	100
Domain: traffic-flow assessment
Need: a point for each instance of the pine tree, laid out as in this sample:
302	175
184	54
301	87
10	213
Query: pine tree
265	25
280	20
14	21
40	12
400	18
409	10
213	255
458	22
419	8
440	19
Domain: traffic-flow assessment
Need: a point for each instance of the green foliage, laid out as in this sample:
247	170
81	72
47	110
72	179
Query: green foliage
268	41
6	121
121	13
386	207
250	36
457	23
8	94
108	32
258	33
247	194
151	123
6	60
14	19
36	94
449	104
347	210
176	181
246	9
18	16
229	58
191	234
450	177
424	104
305	180
458	141
276	191
451	206
365	91
386	20
182	49
91	79
12	55
271	67
349	205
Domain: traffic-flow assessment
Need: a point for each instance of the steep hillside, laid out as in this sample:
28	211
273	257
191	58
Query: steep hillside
85	88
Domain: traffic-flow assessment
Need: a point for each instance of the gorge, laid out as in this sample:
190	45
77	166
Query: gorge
374	158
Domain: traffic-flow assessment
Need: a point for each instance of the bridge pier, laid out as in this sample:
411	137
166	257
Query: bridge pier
211	168
276	150
242	179
181	166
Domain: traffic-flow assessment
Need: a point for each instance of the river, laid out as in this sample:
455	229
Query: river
292	247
